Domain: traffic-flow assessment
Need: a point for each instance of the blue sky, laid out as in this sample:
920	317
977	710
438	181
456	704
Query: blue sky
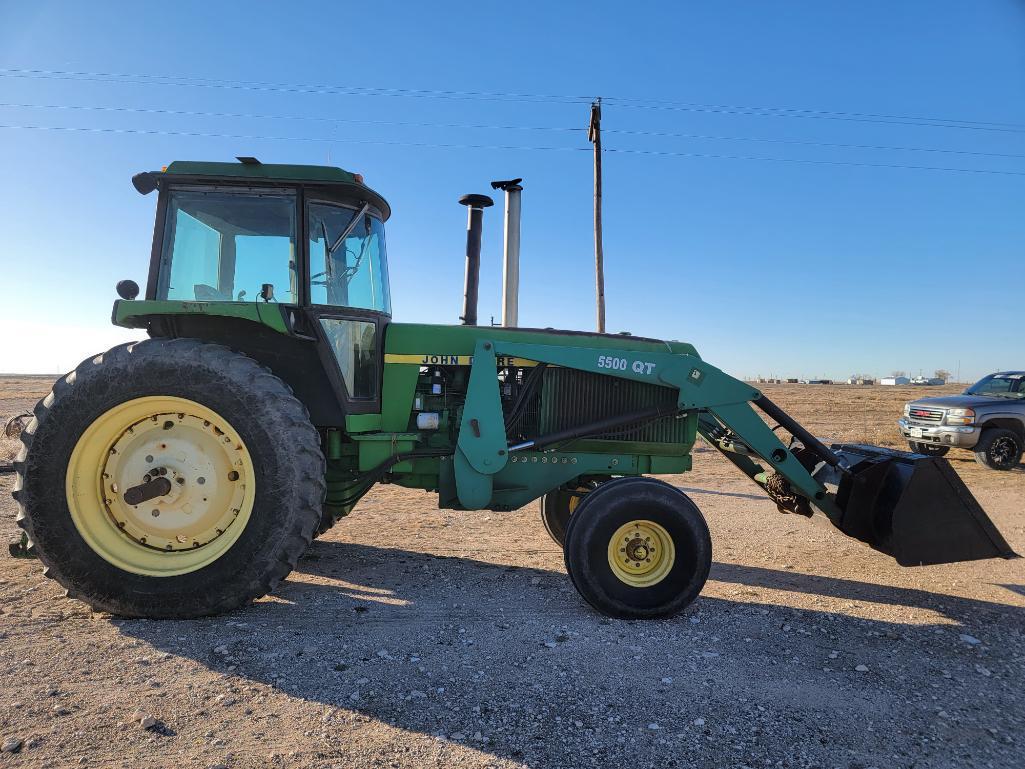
768	267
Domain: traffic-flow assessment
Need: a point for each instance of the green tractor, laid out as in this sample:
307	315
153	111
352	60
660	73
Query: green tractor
185	475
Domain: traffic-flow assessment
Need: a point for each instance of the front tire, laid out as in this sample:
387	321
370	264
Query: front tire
638	548
556	508
231	449
929	449
999	449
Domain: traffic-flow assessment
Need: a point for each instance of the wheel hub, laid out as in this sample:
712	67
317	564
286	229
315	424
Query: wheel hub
173	485
641	553
195	456
1002	450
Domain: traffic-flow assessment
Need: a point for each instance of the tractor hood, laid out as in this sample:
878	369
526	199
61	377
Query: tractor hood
444	345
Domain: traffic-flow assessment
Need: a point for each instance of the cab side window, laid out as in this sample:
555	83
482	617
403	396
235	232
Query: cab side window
226	246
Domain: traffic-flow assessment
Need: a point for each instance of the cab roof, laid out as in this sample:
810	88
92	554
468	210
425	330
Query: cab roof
252	169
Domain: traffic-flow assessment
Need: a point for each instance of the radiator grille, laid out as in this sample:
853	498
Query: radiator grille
570	398
921	414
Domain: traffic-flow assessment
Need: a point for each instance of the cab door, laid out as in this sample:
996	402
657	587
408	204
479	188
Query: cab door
349	300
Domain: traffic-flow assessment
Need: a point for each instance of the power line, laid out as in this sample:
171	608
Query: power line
435	145
656	104
475	126
253	137
806	143
315	89
965	125
257	116
625	102
814	162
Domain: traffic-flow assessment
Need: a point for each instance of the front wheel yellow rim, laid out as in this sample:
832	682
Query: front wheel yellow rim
206	476
641	553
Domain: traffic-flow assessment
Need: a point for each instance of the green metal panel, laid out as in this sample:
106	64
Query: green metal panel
375	448
423	339
481	447
362	423
134	313
482	438
397	391
700	384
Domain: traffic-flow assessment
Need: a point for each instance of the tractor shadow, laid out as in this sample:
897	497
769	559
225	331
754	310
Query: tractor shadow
509	661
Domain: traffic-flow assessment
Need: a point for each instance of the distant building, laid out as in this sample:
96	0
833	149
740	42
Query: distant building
931	381
860	381
894	380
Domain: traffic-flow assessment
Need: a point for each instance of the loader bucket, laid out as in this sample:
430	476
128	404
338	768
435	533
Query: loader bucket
914	508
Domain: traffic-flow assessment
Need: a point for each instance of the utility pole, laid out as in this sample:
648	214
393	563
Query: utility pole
594	136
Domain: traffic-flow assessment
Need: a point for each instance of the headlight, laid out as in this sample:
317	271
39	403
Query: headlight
907	409
960	417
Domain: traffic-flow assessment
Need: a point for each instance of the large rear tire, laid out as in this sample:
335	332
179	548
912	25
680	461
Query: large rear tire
638	548
223	457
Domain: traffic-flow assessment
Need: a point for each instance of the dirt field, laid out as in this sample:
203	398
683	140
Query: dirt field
413	637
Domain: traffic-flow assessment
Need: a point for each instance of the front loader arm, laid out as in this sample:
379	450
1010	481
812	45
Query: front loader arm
700	385
910	506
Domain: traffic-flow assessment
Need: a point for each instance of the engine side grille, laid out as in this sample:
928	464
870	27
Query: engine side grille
570	398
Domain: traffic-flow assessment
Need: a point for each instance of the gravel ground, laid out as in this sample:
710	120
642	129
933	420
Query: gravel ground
413	637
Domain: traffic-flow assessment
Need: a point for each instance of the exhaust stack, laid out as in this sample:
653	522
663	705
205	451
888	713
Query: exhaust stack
475	205
511	261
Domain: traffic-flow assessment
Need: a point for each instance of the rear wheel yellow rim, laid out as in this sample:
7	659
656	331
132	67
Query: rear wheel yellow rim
212	486
641	553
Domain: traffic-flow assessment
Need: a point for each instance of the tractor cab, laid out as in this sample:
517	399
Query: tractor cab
273	233
301	245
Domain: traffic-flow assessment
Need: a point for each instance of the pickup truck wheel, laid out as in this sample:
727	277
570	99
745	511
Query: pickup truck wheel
999	449
929	449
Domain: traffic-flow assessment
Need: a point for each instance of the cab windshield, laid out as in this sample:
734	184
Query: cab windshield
1000	386
229	247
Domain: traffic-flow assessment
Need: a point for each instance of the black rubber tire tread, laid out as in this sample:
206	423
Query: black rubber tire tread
988	438
555	515
929	449
274	424
328	520
617	502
